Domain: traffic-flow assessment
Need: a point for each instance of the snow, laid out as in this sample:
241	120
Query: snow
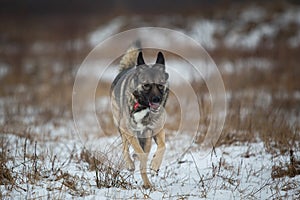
251	39
253	14
235	171
105	31
4	69
237	37
263	99
179	70
94	70
291	15
232	33
245	64
203	32
294	41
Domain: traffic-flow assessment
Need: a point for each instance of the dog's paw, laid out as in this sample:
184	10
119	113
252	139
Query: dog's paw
147	185
154	172
130	166
135	156
154	166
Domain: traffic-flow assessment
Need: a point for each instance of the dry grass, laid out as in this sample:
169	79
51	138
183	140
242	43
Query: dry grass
261	107
290	169
107	174
29	165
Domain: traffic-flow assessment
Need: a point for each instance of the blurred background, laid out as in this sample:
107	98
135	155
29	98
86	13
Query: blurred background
255	44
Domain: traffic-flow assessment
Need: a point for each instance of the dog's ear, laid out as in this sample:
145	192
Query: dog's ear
160	63
140	63
160	59
140	59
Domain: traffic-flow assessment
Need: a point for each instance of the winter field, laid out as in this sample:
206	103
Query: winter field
44	155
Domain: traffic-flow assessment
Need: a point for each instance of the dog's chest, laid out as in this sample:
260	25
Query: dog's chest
140	118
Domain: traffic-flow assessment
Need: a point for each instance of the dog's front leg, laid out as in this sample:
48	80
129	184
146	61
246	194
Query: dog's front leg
125	147
158	156
142	157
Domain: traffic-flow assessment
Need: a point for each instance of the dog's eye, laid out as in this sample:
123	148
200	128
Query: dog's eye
146	86
160	86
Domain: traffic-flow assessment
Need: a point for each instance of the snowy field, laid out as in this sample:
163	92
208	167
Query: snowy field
45	155
62	169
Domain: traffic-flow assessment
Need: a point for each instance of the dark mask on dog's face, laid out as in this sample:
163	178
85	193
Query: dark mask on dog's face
151	82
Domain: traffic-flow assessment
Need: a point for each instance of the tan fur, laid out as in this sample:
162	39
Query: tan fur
129	58
161	147
129	139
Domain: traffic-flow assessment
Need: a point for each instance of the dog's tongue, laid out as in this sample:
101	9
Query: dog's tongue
154	105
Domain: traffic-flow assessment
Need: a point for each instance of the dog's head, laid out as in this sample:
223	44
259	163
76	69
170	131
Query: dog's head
151	82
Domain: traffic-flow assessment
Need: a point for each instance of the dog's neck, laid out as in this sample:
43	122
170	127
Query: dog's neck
137	107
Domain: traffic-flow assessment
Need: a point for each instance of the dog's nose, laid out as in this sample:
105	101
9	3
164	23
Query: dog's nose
156	99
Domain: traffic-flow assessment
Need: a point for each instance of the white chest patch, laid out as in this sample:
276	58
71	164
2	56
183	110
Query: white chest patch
139	116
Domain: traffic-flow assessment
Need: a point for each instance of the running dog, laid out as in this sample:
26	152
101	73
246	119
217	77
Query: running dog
138	97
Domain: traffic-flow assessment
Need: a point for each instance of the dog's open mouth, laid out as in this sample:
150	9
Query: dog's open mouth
154	106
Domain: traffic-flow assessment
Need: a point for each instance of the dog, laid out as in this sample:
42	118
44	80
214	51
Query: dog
138	97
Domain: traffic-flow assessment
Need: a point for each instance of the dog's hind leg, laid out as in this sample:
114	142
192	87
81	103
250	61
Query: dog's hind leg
158	156
147	146
128	161
147	138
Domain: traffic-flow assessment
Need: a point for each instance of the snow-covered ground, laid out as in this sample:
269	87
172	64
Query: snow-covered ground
51	160
234	172
247	29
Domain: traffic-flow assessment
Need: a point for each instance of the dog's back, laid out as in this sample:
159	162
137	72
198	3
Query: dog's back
120	85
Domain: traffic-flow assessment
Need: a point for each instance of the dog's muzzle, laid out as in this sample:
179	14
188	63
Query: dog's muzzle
154	104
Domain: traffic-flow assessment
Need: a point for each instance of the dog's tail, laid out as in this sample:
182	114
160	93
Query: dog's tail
130	57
